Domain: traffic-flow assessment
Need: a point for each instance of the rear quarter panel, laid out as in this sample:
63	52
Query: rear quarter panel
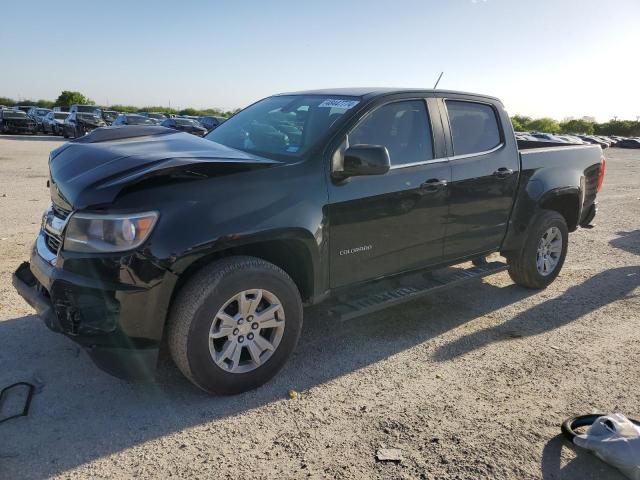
549	172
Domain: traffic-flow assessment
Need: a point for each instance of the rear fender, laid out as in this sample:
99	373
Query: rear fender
547	190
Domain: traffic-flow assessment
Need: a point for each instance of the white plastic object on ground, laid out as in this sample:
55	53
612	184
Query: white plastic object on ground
615	440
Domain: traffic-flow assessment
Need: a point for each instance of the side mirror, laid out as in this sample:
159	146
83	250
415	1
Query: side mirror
365	160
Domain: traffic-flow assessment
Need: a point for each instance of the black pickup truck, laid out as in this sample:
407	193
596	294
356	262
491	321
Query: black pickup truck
359	198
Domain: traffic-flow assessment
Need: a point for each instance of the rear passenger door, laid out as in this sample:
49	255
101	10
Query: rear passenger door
484	177
382	224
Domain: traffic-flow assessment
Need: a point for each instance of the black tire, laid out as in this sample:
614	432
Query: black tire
522	265
196	305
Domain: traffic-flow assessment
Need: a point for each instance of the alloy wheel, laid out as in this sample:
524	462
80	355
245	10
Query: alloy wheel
549	251
246	331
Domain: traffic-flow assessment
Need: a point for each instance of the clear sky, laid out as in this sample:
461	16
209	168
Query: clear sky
547	57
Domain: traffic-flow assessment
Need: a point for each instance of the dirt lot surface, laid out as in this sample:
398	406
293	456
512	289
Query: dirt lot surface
473	383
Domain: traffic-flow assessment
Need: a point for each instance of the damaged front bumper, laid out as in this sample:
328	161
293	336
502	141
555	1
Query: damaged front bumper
114	306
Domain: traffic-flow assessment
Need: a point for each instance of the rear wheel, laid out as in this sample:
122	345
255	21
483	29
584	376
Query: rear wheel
541	259
235	324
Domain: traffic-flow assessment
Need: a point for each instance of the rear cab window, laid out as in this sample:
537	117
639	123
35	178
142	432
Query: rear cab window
474	127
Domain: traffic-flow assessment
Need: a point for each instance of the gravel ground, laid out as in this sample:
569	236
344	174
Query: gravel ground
472	383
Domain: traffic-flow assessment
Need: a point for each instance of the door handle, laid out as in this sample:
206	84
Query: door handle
503	172
433	185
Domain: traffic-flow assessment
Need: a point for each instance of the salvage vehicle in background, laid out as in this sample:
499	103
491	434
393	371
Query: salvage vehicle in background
571	139
24	108
211	122
78	124
158	116
628	143
92	109
37	114
109	116
133	119
550	137
53	122
16	121
185	125
353	197
594	140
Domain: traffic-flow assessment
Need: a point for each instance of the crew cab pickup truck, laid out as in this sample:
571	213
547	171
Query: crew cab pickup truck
358	198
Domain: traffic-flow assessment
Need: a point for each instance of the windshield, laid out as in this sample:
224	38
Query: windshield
282	126
139	120
42	112
13	114
109	115
157	116
60	115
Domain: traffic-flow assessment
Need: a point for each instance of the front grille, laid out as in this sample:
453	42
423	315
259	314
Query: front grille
60	212
53	241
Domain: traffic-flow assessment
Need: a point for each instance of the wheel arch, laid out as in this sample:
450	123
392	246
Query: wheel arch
296	255
565	201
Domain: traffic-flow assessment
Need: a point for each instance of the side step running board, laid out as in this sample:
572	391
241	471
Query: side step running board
371	301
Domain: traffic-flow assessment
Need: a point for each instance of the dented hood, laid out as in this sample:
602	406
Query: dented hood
92	170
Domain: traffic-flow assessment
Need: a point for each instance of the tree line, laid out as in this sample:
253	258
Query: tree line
521	123
624	128
68	98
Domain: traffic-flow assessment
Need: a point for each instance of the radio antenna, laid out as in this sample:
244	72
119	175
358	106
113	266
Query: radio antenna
438	81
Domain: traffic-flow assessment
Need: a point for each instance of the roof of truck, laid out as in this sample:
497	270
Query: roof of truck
371	92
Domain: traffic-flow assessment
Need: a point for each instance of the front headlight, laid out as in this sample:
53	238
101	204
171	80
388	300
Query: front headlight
87	232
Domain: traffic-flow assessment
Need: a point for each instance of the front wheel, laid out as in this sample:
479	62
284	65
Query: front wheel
541	259
235	324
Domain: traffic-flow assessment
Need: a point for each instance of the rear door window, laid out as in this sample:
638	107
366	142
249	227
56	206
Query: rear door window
474	127
402	127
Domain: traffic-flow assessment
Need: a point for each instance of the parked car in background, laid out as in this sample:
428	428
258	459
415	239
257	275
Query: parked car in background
526	137
133	119
571	139
37	114
549	137
16	121
185	125
24	108
609	140
629	143
78	124
159	116
594	141
109	116
53	122
211	122
92	109
61	109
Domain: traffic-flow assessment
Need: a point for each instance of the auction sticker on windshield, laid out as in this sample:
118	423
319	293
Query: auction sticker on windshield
337	103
